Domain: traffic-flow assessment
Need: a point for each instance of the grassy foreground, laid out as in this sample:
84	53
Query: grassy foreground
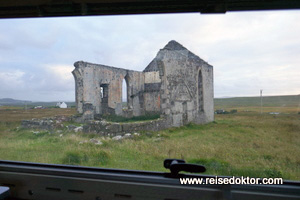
245	143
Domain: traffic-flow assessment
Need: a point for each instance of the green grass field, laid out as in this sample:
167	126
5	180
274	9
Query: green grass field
245	143
268	101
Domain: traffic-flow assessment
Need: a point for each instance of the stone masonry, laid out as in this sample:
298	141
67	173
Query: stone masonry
177	84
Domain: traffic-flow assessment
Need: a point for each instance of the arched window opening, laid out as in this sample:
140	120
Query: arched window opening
124	94
101	92
200	91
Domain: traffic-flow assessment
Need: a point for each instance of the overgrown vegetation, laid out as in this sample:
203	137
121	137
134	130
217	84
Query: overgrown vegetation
115	118
17	114
240	144
215	166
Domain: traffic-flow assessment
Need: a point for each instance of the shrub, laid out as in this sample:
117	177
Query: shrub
267	157
74	158
273	173
102	158
211	164
99	158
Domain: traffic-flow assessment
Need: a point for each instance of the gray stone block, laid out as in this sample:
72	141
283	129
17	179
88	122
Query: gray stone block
177	120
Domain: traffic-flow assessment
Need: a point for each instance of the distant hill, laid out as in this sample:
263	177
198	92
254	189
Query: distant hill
15	102
10	101
269	101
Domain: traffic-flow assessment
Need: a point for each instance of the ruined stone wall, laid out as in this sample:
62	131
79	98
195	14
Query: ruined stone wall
135	87
143	90
182	100
207	115
152	91
90	78
180	90
177	84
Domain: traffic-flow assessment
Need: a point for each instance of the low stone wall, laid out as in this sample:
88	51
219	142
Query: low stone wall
112	128
38	124
103	127
45	123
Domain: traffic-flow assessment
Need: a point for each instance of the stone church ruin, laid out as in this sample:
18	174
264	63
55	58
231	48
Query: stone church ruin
177	84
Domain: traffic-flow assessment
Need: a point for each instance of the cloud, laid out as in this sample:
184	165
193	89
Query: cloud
62	73
53	79
11	80
48	83
249	51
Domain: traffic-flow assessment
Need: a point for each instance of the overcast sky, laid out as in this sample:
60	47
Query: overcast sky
249	50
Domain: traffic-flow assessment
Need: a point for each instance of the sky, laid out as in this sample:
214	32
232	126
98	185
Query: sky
249	51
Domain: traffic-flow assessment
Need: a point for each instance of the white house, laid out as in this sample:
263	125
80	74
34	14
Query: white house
62	105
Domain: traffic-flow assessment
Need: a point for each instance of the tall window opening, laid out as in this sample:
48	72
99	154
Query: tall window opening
200	91
101	92
104	93
124	93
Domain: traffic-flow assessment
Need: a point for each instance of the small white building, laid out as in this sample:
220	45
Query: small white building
62	105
